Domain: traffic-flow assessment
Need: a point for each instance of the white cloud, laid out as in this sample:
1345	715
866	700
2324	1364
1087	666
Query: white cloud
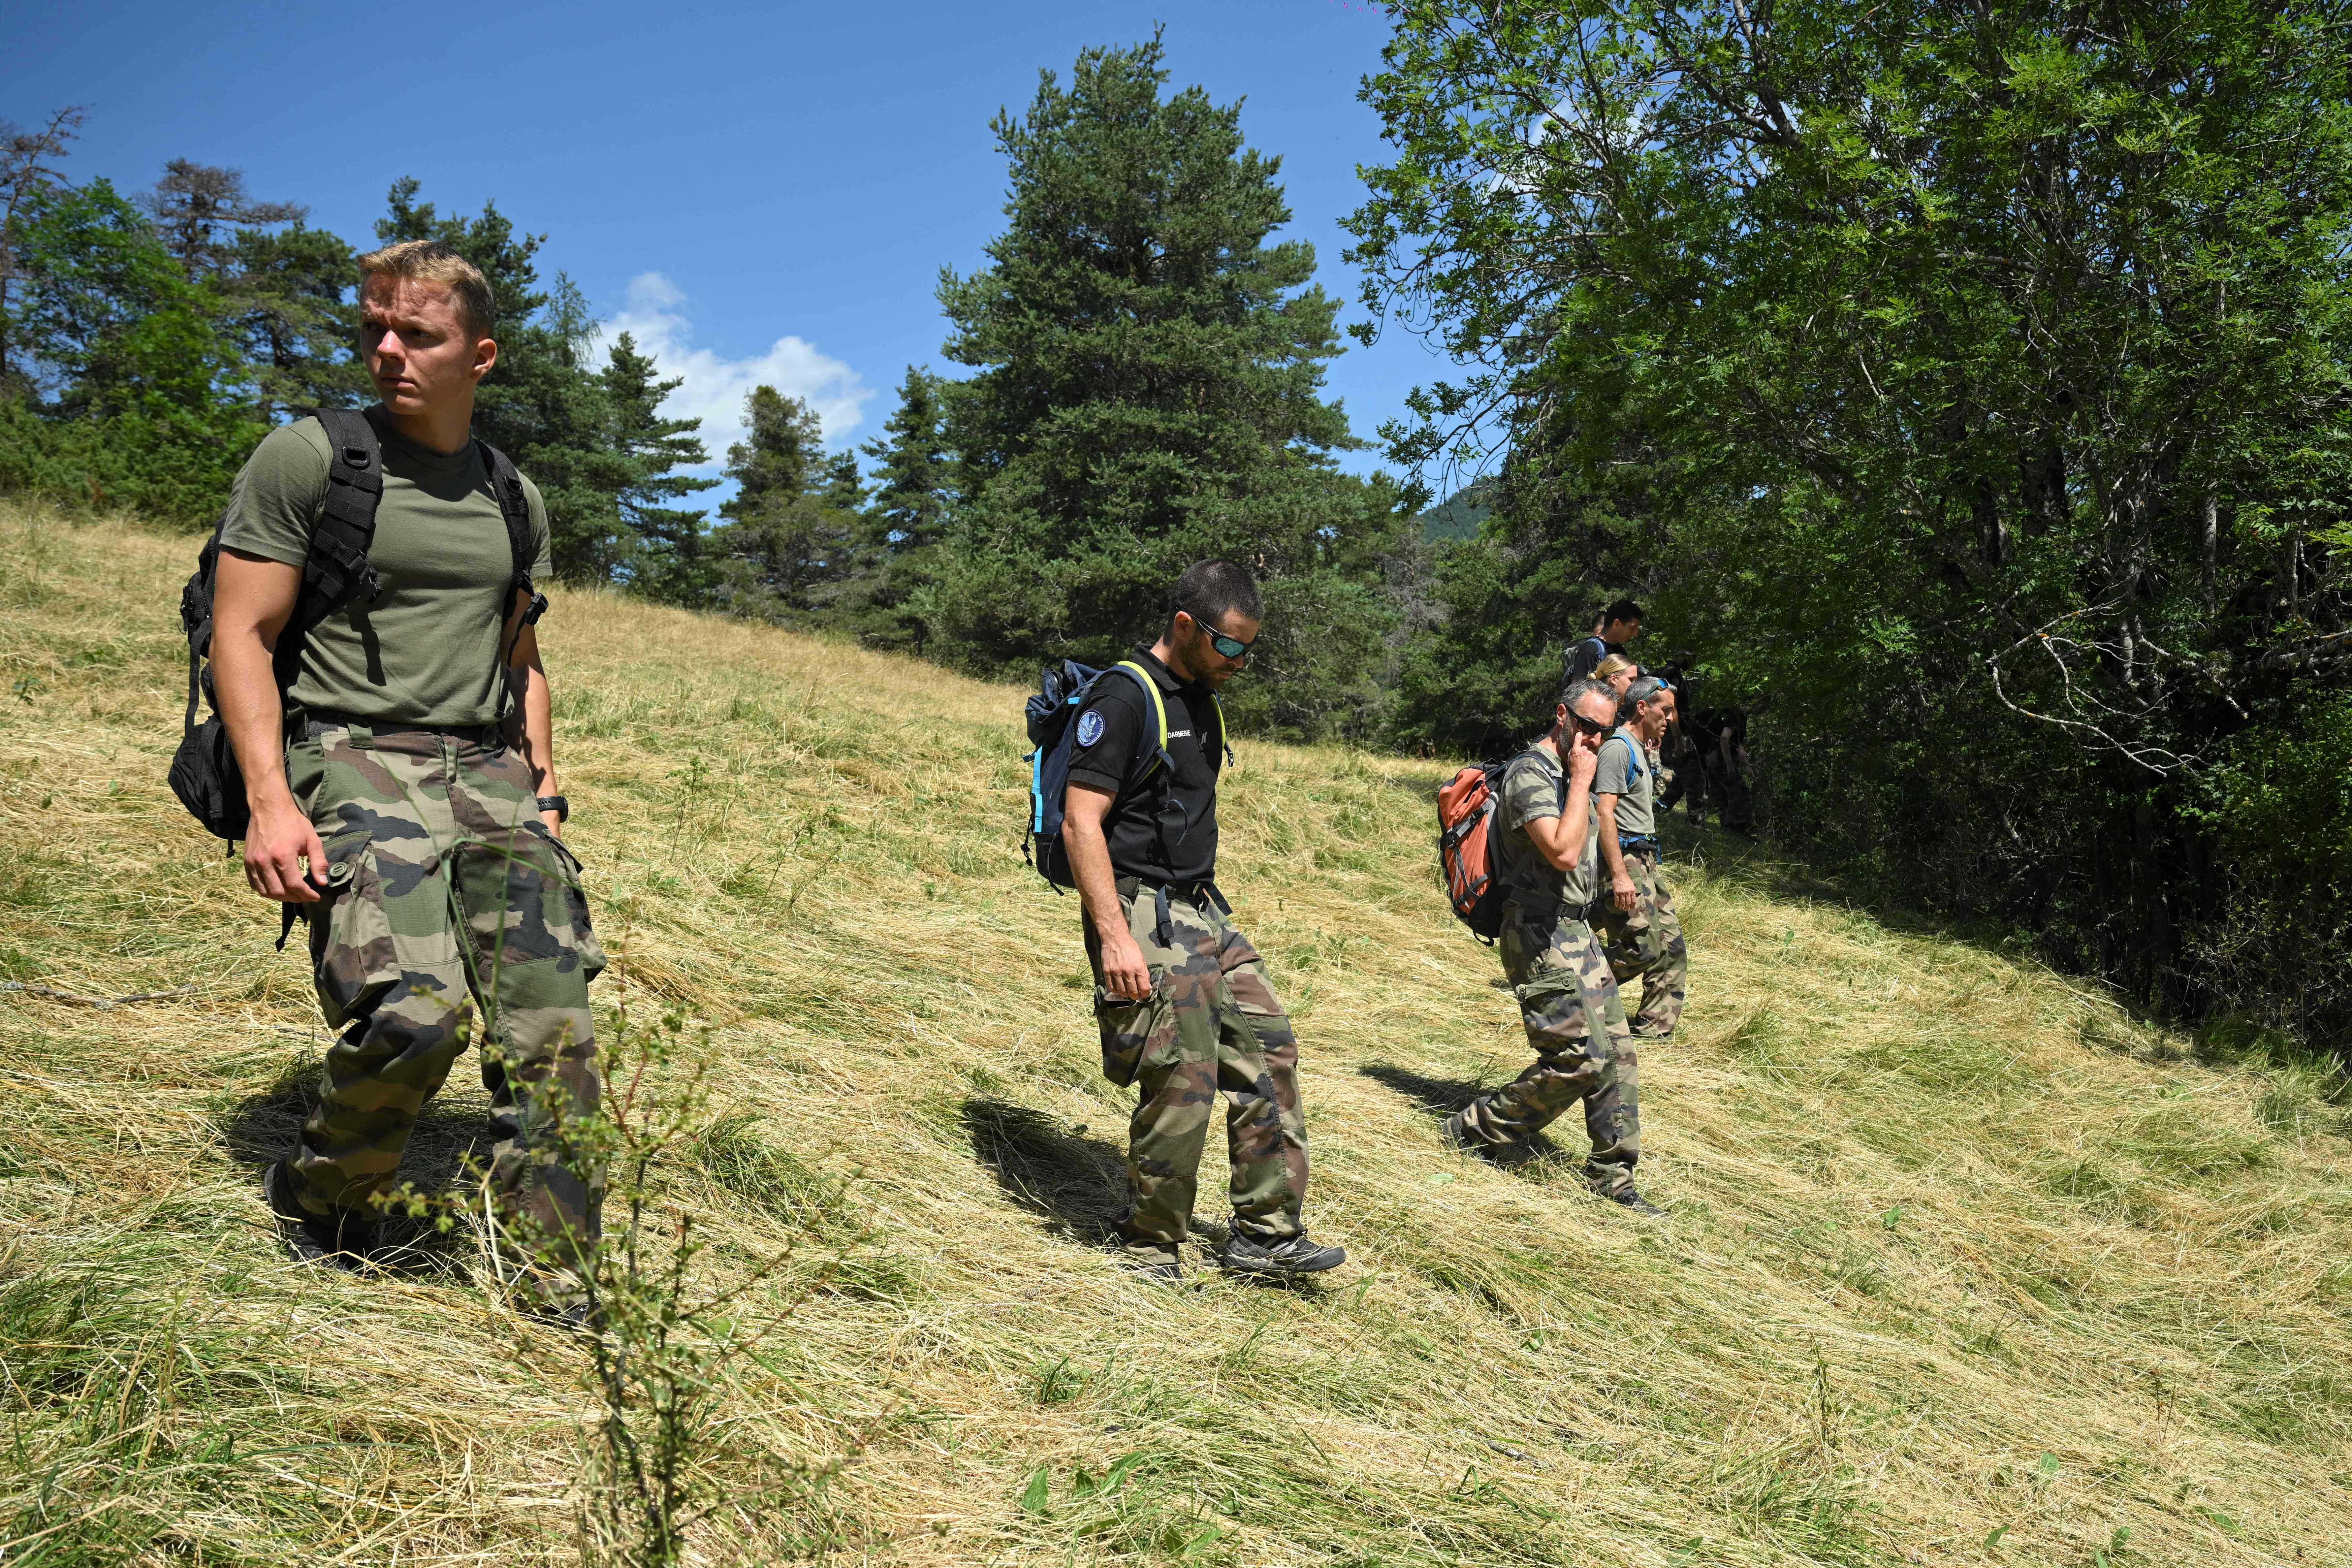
656	316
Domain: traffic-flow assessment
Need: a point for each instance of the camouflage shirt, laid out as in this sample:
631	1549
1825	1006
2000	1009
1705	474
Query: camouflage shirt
1535	786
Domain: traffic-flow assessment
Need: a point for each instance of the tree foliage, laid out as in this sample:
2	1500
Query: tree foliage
1148	367
1983	370
541	404
793	534
673	561
131	384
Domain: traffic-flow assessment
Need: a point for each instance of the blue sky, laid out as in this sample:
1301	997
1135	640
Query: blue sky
762	193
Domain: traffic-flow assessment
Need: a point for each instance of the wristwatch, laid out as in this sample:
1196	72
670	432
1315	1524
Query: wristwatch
558	804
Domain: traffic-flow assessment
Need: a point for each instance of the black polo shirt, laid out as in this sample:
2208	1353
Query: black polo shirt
1112	737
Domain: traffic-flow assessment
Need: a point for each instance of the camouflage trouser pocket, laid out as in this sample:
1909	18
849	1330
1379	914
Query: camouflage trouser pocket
1126	1026
584	930
1551	1005
350	936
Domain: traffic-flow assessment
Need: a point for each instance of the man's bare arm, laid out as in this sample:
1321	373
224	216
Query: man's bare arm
1125	973
532	728
252	599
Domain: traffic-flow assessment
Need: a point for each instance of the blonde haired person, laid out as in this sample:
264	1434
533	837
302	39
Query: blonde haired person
397	757
1616	672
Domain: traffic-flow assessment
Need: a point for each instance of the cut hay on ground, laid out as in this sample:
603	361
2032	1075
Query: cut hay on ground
1964	1267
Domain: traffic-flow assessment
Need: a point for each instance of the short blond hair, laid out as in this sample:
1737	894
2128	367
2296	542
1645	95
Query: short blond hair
432	261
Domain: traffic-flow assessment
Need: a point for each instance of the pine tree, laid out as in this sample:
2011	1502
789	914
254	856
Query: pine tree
292	309
791	542
542	405
672	563
282	286
905	513
913	466
29	166
200	211
1150	365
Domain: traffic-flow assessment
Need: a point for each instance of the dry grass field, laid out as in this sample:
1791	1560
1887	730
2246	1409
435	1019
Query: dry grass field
1964	1265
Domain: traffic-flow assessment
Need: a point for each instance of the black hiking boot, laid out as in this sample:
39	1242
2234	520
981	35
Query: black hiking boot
558	1303
1630	1198
340	1241
1297	1255
1152	1265
1456	1132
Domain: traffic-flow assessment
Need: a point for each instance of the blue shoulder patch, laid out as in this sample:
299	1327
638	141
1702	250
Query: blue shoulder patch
1090	727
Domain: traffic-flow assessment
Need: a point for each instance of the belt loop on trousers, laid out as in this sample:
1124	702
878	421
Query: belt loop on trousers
1166	931
362	737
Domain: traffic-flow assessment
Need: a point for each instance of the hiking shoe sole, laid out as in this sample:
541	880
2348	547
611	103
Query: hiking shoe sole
1297	1255
1635	1202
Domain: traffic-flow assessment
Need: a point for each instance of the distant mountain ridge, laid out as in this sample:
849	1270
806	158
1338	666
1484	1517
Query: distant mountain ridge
1459	514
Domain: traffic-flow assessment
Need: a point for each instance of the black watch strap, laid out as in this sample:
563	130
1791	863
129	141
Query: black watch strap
558	804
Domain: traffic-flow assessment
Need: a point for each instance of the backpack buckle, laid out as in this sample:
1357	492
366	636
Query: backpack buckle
355	458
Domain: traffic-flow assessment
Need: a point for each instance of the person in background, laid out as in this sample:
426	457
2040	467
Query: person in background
1546	830
1727	764
1181	999
1620	624
1682	777
1616	672
1635	918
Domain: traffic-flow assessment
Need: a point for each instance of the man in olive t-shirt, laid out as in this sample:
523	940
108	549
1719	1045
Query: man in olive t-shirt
403	791
1545	844
424	650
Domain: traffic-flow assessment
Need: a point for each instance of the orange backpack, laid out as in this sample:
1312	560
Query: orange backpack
1465	848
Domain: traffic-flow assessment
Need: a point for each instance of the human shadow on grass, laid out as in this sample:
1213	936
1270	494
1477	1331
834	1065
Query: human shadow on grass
1075	1183
1442	1097
262	1127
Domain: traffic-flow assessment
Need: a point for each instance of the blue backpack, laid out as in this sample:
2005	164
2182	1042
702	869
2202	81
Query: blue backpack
1052	729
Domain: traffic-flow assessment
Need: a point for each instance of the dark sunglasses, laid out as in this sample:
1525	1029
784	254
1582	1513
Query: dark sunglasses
1585	726
1232	648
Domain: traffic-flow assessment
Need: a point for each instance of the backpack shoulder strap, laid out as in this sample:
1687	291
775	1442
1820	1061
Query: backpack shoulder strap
514	506
1224	746
506	484
339	544
337	570
1158	704
1633	754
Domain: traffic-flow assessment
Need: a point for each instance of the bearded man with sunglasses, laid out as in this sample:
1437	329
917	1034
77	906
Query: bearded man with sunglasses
1546	854
1182	998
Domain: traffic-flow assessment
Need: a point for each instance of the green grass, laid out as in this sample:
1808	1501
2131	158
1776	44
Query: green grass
1960	1252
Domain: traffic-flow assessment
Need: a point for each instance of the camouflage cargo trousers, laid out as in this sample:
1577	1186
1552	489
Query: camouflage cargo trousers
1584	1048
445	897
1646	941
1211	1023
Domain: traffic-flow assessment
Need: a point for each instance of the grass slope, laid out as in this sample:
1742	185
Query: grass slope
1964	1267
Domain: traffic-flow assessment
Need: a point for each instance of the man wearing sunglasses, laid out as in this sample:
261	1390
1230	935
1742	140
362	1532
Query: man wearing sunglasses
1546	859
1636	921
1181	999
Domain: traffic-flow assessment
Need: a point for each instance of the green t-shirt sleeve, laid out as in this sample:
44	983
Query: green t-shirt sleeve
542	541
1530	792
1612	776
274	505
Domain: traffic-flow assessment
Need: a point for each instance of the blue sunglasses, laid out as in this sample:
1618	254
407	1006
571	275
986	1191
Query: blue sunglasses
1232	648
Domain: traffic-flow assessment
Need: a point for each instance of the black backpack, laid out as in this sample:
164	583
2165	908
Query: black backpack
205	773
1061	693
